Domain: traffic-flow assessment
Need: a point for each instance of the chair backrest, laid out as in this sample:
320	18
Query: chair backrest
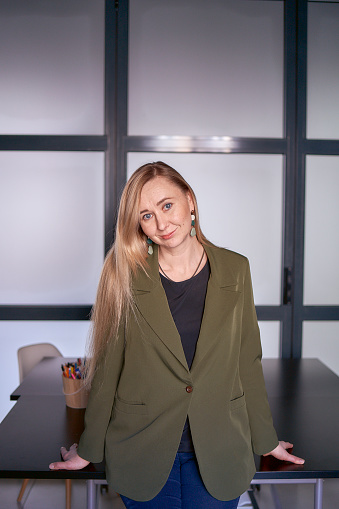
30	355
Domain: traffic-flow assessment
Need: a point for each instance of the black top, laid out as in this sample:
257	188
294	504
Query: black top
186	300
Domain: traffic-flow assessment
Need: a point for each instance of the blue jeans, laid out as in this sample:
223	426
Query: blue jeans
184	489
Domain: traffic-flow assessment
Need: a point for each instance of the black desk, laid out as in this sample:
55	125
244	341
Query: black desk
304	399
38	425
44	379
31	436
303	394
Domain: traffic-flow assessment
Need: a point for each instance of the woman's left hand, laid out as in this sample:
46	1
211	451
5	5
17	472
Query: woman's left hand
281	453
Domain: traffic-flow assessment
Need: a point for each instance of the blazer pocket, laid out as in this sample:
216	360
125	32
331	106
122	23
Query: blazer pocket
237	403
130	408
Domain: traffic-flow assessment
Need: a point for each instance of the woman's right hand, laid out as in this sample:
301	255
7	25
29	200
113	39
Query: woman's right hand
72	460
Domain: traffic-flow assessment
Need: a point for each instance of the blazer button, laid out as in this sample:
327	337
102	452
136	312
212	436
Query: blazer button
189	388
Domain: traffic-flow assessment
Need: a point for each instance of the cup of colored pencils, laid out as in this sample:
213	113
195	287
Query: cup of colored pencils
75	391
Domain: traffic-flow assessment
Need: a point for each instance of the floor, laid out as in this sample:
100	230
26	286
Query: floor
44	494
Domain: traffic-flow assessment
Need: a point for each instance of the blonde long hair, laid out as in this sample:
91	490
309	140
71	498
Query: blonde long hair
128	254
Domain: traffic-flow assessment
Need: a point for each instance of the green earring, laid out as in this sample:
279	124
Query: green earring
193	232
150	247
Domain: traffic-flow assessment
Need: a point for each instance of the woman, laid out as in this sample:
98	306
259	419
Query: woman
178	402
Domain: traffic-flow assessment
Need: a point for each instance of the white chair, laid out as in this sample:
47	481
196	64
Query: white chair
28	357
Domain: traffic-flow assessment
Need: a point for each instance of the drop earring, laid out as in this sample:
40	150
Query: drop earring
193	232
150	246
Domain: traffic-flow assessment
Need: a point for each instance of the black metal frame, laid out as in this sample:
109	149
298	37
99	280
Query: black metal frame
228	144
294	146
105	143
53	143
304	147
116	144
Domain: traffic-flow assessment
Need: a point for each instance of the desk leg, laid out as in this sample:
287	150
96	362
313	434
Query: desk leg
91	494
318	494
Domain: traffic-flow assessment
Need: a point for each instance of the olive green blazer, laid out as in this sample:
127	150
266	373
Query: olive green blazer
142	395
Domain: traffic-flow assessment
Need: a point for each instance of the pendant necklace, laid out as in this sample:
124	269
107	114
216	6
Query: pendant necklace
196	270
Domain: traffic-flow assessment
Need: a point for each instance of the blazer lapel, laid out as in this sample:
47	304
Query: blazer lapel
221	298
151	301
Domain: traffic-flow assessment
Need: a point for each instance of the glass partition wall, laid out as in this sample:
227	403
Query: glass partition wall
53	143
237	95
316	301
206	95
240	96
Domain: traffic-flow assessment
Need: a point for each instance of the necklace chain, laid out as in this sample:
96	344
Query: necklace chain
196	270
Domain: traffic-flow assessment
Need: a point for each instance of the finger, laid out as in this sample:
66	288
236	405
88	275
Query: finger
294	459
64	452
286	445
59	465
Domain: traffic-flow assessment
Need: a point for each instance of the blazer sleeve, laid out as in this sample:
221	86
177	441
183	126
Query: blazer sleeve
101	400
264	437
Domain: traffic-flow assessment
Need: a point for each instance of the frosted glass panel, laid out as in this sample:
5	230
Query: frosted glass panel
240	207
52	67
270	339
70	337
323	71
321	340
206	68
321	277
52	227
